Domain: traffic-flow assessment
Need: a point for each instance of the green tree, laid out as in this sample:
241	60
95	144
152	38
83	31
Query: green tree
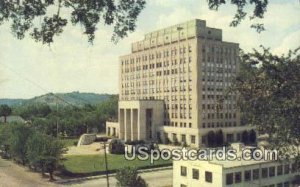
35	146
17	140
245	137
211	139
259	10
5	111
29	111
269	87
219	138
122	15
44	152
22	15
128	177
252	136
5	134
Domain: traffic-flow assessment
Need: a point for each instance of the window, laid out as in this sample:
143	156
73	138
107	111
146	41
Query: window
279	185
183	185
279	170
264	172
193	139
271	171
255	174
247	175
286	184
229	178
208	176
183	138
238	177
229	137
183	171
195	174
286	169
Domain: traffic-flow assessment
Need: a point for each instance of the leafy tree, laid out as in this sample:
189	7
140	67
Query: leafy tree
122	15
128	177
260	8
268	87
44	152
116	147
29	111
211	139
35	146
252	136
22	15
219	138
5	111
5	134
245	137
17	140
109	108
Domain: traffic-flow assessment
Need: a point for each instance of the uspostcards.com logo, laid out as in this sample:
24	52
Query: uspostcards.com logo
221	154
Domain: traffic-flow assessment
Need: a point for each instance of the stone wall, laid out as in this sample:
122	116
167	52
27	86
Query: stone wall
86	139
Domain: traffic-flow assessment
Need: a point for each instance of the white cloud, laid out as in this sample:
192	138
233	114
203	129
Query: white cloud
290	42
178	15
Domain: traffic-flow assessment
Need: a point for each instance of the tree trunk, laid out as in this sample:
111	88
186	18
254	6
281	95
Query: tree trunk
4	118
43	172
51	176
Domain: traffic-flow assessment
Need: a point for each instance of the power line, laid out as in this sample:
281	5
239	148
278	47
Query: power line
37	85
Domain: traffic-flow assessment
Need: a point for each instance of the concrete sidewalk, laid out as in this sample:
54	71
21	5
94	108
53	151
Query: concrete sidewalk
74	180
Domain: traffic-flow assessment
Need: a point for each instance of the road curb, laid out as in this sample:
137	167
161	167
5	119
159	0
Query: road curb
65	181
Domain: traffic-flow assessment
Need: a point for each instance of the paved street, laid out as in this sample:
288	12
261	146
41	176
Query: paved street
12	175
154	179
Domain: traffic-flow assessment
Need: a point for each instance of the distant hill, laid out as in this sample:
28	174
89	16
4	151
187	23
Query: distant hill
73	98
12	102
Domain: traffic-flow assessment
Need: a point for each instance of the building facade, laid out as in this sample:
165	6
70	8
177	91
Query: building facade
236	173
187	67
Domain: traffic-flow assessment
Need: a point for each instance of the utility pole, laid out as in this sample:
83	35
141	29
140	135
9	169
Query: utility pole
106	165
57	118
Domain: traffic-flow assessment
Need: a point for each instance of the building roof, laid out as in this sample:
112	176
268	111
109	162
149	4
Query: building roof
238	163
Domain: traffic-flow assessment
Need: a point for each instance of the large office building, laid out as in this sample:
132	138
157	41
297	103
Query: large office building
171	85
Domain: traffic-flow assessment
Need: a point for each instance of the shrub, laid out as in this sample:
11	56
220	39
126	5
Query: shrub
116	147
128	177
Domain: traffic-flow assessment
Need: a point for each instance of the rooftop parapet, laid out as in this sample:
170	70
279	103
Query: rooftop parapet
183	31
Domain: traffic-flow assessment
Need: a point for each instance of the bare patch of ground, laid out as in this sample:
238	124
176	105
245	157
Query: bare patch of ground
94	148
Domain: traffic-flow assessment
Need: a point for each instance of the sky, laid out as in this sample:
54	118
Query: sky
29	69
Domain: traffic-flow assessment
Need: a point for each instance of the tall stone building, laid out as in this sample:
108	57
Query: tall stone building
171	84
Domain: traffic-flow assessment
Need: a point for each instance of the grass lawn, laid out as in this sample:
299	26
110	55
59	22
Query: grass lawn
84	164
69	141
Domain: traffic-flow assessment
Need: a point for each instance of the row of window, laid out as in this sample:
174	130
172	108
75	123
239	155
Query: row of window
153	91
249	175
255	174
218	115
183	138
210	50
157	65
178	124
219	124
196	174
282	184
159	54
